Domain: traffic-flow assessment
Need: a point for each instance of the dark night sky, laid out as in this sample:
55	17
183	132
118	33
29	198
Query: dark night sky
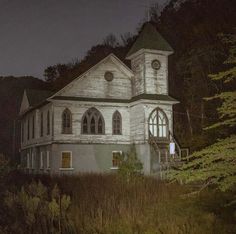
37	33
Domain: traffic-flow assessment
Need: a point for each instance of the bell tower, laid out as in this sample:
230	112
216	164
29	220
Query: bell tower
149	62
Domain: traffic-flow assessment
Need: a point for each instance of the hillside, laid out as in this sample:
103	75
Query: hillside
11	91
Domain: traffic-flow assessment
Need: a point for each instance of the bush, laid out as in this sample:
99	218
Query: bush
38	210
130	166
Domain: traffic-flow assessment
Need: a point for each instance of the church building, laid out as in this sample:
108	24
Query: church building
103	113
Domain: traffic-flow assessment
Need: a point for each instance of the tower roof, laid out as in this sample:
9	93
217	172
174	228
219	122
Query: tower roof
149	38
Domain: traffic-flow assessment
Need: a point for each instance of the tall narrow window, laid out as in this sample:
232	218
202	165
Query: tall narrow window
22	131
48	160
28	129
66	122
92	122
158	124
92	126
48	123
32	160
33	125
41	160
116	123
100	125
85	125
41	124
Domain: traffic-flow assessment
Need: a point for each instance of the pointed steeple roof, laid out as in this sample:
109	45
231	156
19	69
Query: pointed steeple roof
149	38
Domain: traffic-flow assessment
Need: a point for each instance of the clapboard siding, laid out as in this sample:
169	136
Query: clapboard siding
138	123
146	79
78	110
138	67
94	85
156	80
37	138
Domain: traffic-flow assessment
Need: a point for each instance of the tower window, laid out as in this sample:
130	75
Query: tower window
156	65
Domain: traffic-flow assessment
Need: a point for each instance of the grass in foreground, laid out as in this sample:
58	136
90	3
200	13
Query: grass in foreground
93	203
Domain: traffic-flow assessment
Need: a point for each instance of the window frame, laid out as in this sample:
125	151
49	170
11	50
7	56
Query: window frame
32	161
33	127
157	125
41	124
48	122
71	162
114	128
48	157
28	129
115	167
89	115
41	165
64	122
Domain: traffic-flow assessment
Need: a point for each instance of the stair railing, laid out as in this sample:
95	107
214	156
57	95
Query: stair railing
179	153
180	150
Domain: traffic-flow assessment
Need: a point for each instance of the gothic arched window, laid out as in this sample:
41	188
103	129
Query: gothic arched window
93	122
158	124
66	121
117	123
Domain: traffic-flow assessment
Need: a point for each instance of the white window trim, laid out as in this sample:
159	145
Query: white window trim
48	160
115	151
41	161
69	168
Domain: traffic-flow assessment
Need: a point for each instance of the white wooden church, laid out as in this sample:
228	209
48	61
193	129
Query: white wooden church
102	113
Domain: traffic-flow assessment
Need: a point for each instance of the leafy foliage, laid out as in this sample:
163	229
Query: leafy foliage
36	211
106	204
130	166
216	164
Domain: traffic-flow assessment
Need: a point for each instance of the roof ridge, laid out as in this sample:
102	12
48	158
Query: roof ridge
149	38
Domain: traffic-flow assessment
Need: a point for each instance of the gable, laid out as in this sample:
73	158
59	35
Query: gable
24	103
92	83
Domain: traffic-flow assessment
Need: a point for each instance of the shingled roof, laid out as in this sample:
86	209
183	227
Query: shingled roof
149	38
36	96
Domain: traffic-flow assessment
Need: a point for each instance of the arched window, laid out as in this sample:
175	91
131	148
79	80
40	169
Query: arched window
66	122
92	122
158	124
116	123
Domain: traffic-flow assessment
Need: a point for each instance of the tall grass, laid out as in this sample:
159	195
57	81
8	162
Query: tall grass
107	204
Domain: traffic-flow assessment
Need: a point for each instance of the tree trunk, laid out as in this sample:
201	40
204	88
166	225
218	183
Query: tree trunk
189	122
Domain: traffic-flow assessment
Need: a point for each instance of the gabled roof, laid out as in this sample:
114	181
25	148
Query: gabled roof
36	96
111	56
33	98
149	38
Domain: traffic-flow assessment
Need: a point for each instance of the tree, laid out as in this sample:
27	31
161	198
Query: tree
130	166
216	164
50	74
110	40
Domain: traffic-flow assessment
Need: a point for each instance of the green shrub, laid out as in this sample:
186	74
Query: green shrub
130	166
38	210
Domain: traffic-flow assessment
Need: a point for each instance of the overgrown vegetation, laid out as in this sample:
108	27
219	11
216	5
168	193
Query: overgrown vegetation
130	167
216	164
93	203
